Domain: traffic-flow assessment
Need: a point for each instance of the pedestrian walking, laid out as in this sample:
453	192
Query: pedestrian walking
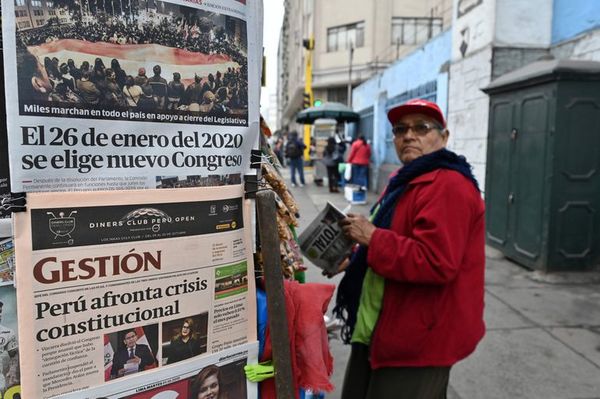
294	150
412	295
359	158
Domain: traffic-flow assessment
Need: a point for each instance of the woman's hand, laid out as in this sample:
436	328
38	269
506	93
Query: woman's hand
358	228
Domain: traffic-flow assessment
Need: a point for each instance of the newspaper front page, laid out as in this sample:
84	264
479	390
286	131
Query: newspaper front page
9	344
130	284
214	376
323	242
118	95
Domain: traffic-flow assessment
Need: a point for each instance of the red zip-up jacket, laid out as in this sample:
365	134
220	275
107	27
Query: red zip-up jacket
433	260
360	153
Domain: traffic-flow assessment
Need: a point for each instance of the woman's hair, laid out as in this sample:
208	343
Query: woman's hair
192	326
114	64
202	376
99	64
331	144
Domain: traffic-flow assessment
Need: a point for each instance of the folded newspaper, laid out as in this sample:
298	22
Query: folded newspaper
323	242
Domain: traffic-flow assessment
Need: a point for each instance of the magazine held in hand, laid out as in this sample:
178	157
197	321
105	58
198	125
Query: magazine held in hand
323	242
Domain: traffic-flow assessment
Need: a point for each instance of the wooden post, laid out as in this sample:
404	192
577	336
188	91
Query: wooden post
278	322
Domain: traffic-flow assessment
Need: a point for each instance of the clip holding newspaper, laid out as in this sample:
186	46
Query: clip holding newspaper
111	283
323	242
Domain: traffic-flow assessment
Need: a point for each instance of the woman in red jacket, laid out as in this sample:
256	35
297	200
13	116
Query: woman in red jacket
359	158
412	297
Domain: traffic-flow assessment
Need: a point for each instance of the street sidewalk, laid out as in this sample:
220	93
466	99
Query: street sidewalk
543	330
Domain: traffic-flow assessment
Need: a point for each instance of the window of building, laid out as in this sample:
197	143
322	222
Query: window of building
338	94
24	24
414	30
49	4
20	2
36	3
38	12
342	37
51	12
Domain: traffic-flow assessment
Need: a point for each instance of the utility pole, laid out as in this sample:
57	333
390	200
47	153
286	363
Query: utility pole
350	75
309	45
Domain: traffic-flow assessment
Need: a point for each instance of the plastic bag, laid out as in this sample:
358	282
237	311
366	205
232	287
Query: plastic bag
348	172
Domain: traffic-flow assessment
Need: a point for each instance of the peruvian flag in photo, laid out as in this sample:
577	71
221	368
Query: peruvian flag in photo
134	56
139	331
108	357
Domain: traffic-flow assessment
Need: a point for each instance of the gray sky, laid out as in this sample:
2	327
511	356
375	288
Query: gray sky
272	25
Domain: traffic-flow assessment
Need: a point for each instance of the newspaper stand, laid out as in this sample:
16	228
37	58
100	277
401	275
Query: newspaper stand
278	323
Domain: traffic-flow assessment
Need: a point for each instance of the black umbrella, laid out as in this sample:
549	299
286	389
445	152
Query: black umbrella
337	111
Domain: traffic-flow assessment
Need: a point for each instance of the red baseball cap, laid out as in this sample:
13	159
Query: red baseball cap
417	106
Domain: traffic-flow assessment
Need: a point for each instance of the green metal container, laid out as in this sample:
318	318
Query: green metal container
543	165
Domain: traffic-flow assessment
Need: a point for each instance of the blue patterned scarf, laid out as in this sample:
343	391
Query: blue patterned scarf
349	290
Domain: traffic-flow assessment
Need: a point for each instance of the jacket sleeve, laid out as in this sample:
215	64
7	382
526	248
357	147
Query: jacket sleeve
352	153
433	251
146	357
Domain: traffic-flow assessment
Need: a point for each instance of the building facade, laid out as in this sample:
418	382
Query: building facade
494	37
487	39
30	14
422	73
353	40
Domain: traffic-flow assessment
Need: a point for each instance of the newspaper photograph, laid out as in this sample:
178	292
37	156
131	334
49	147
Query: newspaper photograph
216	376
323	241
116	284
117	95
7	261
10	378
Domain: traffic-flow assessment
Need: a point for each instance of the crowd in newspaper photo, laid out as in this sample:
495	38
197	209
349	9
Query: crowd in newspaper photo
138	56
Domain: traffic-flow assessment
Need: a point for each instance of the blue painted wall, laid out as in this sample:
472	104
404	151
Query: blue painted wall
419	68
572	17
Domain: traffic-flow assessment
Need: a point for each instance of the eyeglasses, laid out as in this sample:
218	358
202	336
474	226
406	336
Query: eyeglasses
420	129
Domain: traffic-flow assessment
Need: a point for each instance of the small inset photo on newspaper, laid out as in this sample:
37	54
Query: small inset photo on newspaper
130	351
7	261
198	181
231	280
227	381
184	338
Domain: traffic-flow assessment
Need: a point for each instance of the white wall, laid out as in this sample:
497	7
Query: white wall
523	23
475	27
468	106
468	109
584	47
